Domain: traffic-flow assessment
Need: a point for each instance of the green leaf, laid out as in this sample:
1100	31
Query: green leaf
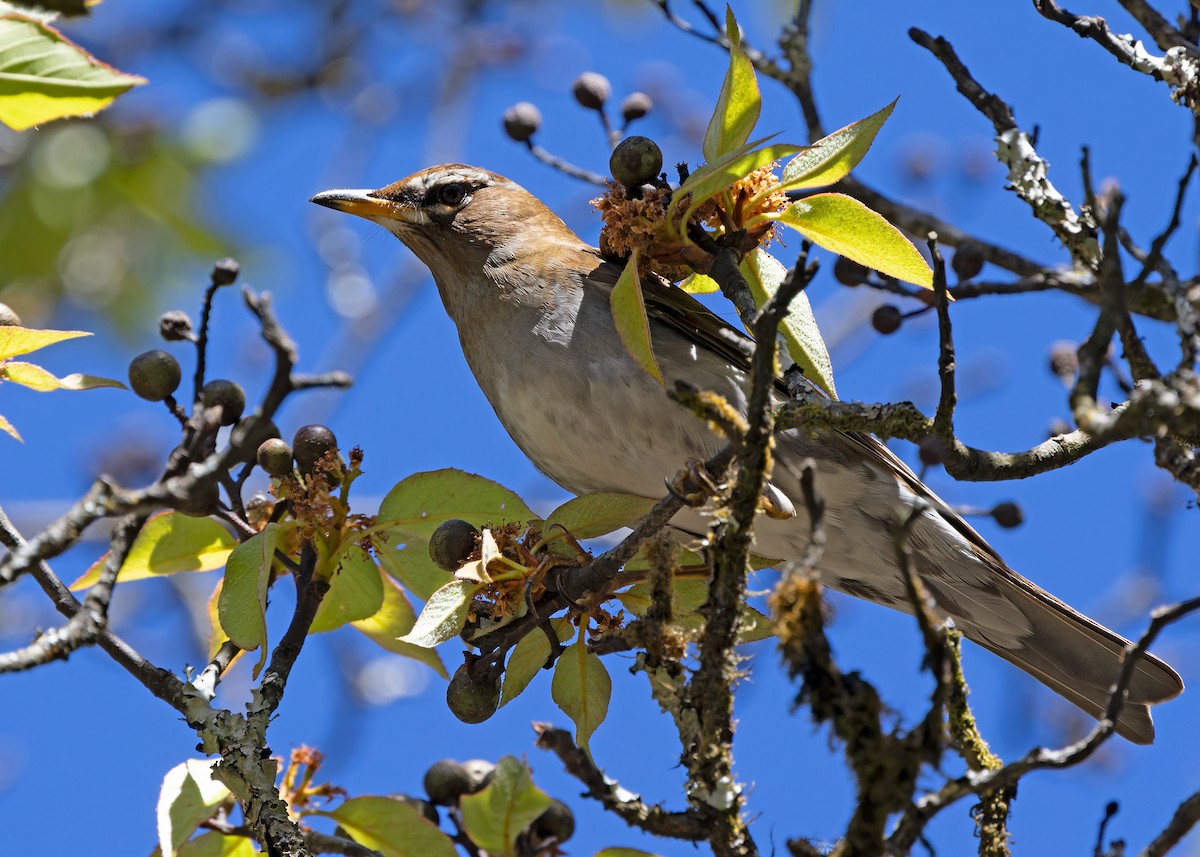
444	615
629	316
412	566
169	543
699	284
45	76
242	604
835	155
754	626
847	227
581	688
529	657
494	816
738	103
688	595
392	827
355	591
23	340
416	505
7	428
395	618
36	378
764	275
189	795
591	515
213	844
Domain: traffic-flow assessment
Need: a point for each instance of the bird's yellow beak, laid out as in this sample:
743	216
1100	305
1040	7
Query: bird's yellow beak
362	204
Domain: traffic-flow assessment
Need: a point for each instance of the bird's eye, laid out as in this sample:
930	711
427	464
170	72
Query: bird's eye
451	194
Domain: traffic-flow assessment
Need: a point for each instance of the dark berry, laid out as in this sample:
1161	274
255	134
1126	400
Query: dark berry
557	823
224	272
521	121
1008	515
473	698
968	260
226	395
275	457
446	781
175	326
452	544
591	90
850	273
154	375
635	106
635	161
310	444
887	319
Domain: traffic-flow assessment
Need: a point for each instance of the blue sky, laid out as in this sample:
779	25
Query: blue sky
82	738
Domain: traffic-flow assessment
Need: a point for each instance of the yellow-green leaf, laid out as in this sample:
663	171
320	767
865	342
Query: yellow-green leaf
36	378
444	614
169	543
416	505
738	103
591	515
713	178
22	340
764	274
412	566
687	596
355	591
45	76
529	657
8	428
497	814
392	827
847	227
629	316
582	689
835	155
189	796
213	844
699	284
242	604
395	618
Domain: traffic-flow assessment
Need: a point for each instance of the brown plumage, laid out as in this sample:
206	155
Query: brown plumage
530	300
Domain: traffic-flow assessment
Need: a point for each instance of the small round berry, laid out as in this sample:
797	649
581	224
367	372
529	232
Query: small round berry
591	90
452	544
310	444
446	781
522	121
473	698
1008	515
201	501
228	396
968	260
8	318
557	823
635	106
275	457
154	375
887	319
1064	362
636	161
175	326
224	272
850	273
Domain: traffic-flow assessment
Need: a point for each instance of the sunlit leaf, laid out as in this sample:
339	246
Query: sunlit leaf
764	274
23	340
529	657
7	428
395	618
699	284
581	688
392	827
355	591
242	603
444	614
494	816
713	178
847	227
833	156
629	316
214	844
416	505
412	566
189	795
738	103
36	378
45	76
592	515
169	543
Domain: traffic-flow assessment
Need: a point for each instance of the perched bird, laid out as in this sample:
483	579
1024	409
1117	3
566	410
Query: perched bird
531	303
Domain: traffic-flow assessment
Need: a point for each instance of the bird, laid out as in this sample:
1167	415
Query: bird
530	300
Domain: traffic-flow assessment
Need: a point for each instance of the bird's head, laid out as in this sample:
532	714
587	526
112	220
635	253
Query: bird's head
460	220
